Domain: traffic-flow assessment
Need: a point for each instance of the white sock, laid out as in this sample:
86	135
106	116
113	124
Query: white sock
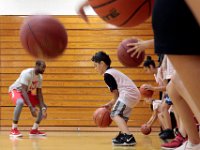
35	126
14	126
191	144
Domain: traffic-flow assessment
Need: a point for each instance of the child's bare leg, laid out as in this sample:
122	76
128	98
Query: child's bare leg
184	112
166	115
121	123
187	68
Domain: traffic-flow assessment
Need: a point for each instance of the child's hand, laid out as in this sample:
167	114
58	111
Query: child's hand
148	125
81	11
136	48
149	87
82	14
107	106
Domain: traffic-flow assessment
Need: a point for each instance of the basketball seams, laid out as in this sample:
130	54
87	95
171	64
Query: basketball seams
37	41
101	117
43	36
150	6
104	4
122	58
133	14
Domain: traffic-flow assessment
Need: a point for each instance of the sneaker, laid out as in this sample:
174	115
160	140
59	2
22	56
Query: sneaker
178	141
15	133
167	134
185	146
37	132
161	132
125	140
188	146
118	136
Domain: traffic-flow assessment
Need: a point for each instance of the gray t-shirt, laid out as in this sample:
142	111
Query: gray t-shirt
29	78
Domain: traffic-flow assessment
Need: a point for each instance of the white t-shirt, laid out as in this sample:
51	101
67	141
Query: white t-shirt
159	77
29	78
170	69
156	104
167	68
129	94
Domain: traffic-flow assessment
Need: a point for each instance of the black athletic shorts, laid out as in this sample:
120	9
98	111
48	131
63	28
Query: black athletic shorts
176	31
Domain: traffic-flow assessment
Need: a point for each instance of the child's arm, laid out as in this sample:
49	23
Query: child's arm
155	88
152	119
112	102
111	83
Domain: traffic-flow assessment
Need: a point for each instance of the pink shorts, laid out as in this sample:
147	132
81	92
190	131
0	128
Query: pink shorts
15	95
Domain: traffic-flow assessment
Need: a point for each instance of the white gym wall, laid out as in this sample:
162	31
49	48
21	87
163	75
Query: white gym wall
50	7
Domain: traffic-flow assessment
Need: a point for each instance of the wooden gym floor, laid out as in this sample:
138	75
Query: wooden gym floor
76	141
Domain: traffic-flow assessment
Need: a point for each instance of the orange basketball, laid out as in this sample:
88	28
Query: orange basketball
145	129
43	36
144	92
125	58
101	117
124	13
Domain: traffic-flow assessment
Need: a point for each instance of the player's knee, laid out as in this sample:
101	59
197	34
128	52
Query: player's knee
20	102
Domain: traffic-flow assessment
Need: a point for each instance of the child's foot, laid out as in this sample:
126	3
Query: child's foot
37	132
175	143
125	140
167	134
118	136
188	146
15	133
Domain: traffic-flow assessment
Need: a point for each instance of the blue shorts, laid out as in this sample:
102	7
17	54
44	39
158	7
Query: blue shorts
168	100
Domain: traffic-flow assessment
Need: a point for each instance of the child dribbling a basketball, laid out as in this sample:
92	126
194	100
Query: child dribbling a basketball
125	96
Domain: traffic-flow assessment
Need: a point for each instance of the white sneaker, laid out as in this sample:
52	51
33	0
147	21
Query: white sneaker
185	146
188	146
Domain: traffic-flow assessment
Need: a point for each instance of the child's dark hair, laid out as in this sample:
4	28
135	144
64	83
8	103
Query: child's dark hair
149	62
39	62
101	56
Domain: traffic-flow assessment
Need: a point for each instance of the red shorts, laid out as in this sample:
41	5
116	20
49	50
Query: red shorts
15	95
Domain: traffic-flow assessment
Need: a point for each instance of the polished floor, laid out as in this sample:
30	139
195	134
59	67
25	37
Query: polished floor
76	141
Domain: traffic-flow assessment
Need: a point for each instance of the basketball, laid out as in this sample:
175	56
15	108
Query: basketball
125	58
144	92
145	129
101	117
123	13
43	36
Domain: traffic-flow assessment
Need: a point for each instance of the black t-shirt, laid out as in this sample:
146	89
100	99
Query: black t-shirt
110	81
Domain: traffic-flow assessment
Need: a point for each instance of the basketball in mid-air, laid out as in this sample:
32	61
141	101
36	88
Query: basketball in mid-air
101	117
43	36
123	13
125	57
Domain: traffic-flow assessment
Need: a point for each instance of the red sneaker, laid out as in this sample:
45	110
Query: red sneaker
15	133
37	132
176	142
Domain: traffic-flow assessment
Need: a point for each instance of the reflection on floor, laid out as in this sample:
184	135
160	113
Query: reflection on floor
75	141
